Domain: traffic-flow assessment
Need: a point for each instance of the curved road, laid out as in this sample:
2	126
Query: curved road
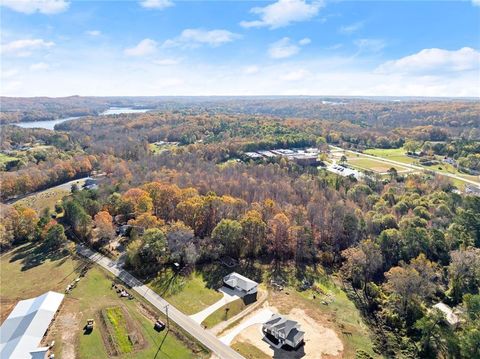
413	167
185	322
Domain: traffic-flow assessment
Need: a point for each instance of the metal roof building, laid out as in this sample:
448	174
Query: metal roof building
22	332
239	282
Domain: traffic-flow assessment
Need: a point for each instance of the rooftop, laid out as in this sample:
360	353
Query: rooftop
23	330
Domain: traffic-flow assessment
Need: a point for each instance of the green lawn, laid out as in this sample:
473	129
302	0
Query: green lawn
4	159
249	351
116	320
394	154
157	149
365	163
224	313
188	294
27	272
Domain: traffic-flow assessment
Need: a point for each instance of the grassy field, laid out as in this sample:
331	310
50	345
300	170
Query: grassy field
189	294
20	279
394	154
5	159
365	163
399	154
157	149
116	320
47	198
224	313
249	351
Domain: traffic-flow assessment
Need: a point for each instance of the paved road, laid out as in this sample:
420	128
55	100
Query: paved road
220	349
413	167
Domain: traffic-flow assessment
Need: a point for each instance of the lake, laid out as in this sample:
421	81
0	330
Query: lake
50	124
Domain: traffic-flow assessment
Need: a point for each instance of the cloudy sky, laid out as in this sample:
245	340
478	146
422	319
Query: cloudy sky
287	47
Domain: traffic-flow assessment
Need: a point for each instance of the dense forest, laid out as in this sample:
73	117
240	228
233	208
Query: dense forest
400	244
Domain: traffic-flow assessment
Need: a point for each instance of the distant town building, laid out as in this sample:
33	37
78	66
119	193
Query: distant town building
473	190
23	330
285	331
240	283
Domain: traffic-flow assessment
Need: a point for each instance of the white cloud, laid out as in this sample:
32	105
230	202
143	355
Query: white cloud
198	37
25	47
32	6
370	45
156	4
476	2
350	29
166	62
284	48
93	32
40	66
143	48
250	70
304	41
435	61
7	74
283	13
295	75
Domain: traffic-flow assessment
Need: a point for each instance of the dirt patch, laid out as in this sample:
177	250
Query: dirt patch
64	329
6	307
320	342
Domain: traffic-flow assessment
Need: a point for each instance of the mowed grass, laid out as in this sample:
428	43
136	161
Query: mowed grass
394	154
45	199
188	294
373	165
92	294
18	282
224	313
4	159
249	351
115	318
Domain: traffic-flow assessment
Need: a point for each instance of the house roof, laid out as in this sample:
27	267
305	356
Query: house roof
283	325
236	280
24	328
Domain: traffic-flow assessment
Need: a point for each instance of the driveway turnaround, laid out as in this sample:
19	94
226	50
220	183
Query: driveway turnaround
229	295
259	317
220	349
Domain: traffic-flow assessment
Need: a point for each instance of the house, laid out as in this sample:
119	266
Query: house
285	331
242	284
449	314
25	327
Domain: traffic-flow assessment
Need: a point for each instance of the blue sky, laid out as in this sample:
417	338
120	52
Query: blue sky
284	47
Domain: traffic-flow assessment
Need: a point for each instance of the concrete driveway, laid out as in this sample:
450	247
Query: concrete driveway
259	317
229	295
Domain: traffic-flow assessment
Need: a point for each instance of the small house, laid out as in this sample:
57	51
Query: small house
448	312
284	331
246	286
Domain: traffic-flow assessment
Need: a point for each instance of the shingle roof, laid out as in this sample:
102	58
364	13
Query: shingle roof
23	330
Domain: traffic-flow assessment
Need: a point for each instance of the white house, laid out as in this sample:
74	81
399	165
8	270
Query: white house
284	330
246	286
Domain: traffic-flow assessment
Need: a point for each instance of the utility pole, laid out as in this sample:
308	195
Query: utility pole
166	312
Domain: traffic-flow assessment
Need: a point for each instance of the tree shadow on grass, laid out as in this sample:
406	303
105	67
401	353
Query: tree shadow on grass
34	254
213	273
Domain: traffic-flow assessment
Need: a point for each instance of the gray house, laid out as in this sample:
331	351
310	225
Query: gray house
284	330
242	284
